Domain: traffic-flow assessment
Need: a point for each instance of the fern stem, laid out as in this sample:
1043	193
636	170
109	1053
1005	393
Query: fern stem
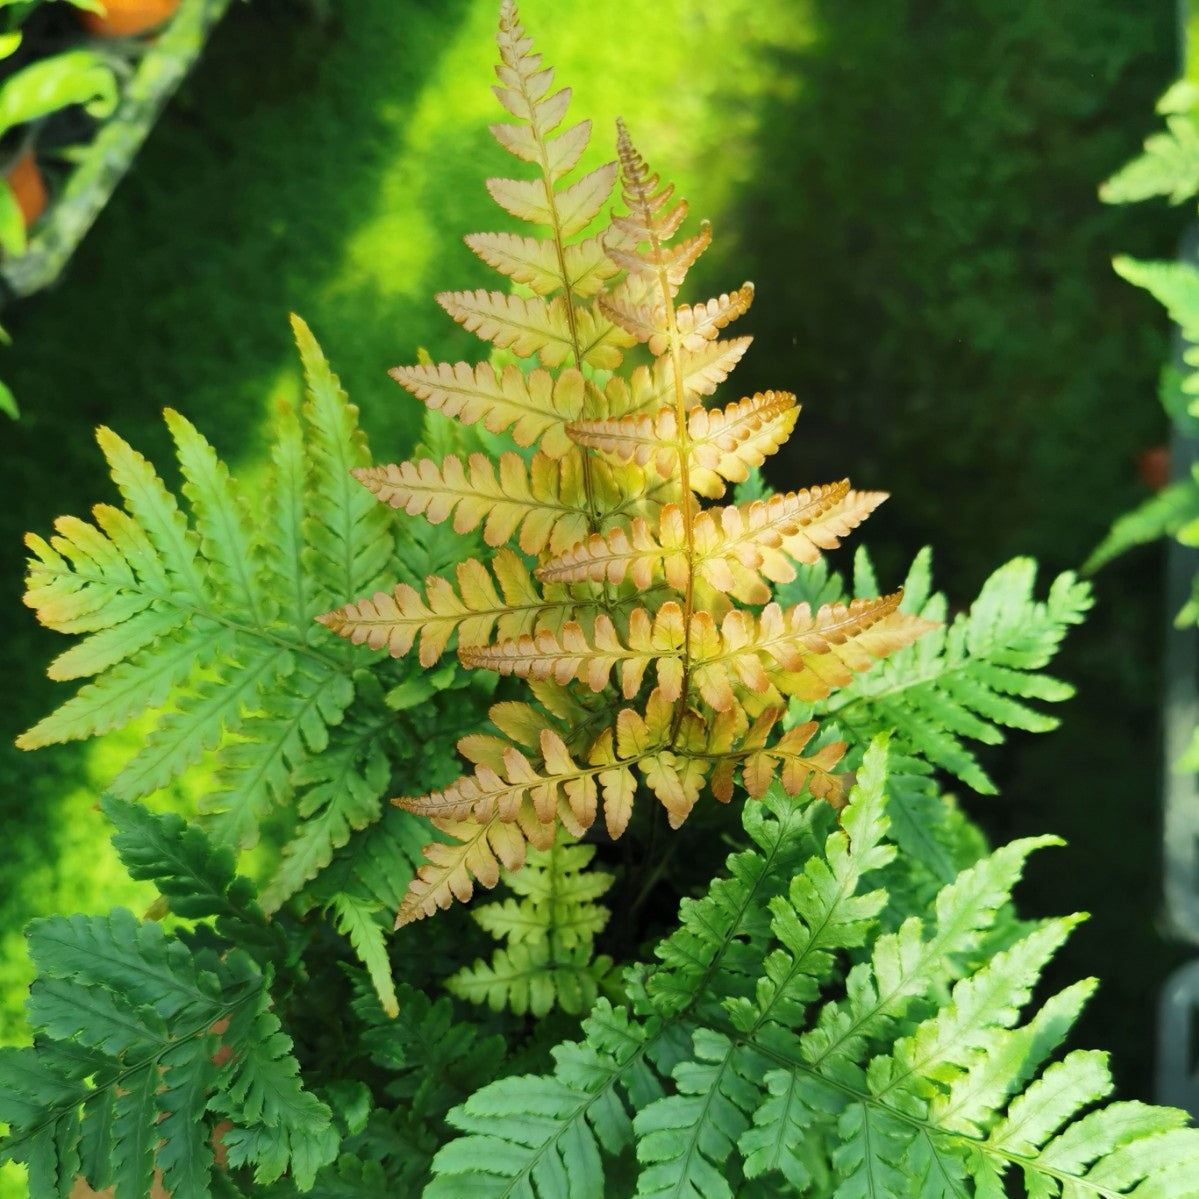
635	182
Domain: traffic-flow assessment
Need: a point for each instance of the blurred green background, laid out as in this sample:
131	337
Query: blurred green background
910	184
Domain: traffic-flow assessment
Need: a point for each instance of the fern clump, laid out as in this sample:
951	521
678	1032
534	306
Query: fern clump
786	1043
154	1045
642	620
845	1010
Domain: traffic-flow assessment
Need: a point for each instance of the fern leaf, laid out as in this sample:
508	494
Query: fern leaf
156	513
1169	163
220	519
1175	285
127	689
613	556
207	622
356	918
571	209
280	751
722	444
549	957
547	1133
433	1059
395	621
571	654
348	538
475	852
193	873
699	373
543	500
535	262
971	679
533	979
698	323
529	326
1164	514
186	1161
687	1139
532	406
211	709
133	1012
343	789
835	642
726	443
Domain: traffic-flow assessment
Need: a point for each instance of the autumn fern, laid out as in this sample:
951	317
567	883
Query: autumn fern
596	600
630	609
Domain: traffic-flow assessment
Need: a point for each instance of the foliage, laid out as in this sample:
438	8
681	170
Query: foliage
1168	166
629	571
842	1012
785	1044
550	933
145	1034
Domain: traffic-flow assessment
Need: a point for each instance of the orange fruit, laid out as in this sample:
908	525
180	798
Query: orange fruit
127	18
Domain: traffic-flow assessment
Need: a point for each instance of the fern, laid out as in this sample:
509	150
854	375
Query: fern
646	673
1169	166
969	678
206	623
611	641
147	1039
203	628
784	1032
550	933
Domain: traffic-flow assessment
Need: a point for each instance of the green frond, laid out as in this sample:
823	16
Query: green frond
1168	165
194	874
363	923
131	1023
341	792
819	1048
534	978
220	520
969	680
1165	514
1175	285
686	1139
204	618
543	1136
349	543
433	1059
549	958
361	879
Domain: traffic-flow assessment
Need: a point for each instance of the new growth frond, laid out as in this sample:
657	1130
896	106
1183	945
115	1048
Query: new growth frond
652	608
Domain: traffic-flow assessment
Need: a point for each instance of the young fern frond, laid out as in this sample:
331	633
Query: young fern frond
549	957
635	596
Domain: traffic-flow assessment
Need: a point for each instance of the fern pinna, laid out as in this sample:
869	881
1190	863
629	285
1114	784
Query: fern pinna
641	620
